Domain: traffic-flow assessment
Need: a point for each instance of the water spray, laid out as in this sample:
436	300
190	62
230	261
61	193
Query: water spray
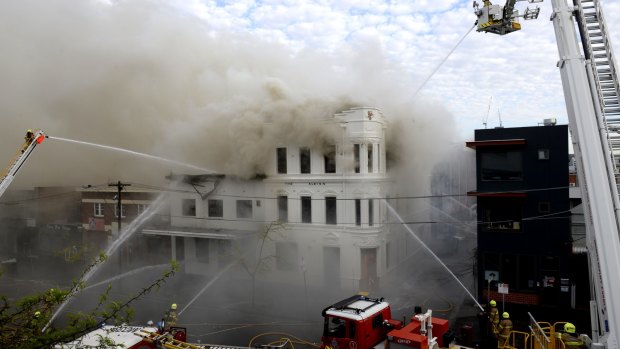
400	219
123	236
211	282
125	274
131	152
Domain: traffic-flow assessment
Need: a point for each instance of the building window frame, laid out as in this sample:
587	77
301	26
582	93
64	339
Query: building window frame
215	208
188	207
281	160
98	209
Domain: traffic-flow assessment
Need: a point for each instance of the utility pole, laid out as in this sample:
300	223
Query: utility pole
120	186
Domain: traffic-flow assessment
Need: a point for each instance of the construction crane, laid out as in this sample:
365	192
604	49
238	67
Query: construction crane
32	139
591	94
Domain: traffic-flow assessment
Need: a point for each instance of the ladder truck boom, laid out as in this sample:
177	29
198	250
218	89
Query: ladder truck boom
8	174
591	94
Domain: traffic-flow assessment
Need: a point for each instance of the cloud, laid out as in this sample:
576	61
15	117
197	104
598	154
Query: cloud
153	78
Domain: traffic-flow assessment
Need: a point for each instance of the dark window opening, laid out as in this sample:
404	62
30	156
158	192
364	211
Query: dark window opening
371	212
370	169
330	159
189	207
215	208
306	209
244	208
304	160
281	152
335	327
356	157
330	210
502	215
358	212
283	208
501	165
544	207
377	320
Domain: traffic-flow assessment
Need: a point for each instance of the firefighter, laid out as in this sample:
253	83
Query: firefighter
493	317
504	328
571	341
29	137
171	316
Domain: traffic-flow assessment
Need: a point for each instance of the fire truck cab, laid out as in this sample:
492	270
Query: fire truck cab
357	322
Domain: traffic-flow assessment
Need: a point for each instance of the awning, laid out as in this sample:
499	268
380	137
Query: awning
215	234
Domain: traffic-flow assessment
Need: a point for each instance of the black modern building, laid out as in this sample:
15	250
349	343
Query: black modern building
524	220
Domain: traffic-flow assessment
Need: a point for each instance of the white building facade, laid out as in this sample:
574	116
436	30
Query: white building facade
324	206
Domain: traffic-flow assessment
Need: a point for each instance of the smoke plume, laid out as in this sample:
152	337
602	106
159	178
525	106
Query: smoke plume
147	77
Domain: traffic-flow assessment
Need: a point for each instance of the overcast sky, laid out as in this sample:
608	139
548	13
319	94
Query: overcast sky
517	71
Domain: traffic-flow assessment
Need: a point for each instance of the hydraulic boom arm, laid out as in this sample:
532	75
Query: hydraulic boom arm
8	174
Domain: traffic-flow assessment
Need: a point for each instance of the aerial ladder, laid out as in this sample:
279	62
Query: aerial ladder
7	175
167	341
590	87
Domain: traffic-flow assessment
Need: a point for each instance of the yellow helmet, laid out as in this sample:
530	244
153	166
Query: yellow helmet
29	131
569	328
173	306
505	315
37	313
493	303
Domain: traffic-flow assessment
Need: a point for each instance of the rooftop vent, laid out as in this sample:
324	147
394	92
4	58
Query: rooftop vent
550	122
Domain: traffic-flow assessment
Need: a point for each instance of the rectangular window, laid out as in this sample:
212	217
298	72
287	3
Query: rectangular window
98	209
330	159
371	212
202	250
142	208
122	211
281	160
188	207
356	157
283	208
287	256
501	165
306	209
244	208
358	212
215	208
543	154
304	160
502	215
377	321
330	210
370	169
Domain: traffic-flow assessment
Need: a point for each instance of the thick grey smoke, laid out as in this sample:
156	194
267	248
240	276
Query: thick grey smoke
143	76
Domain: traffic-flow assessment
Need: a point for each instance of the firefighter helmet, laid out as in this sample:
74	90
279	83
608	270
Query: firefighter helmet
493	303
173	306
569	328
37	314
505	315
29	131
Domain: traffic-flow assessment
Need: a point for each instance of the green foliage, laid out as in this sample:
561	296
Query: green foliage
23	321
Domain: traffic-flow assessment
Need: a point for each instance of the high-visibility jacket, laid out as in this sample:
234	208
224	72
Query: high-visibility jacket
504	328
572	342
171	318
494	319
